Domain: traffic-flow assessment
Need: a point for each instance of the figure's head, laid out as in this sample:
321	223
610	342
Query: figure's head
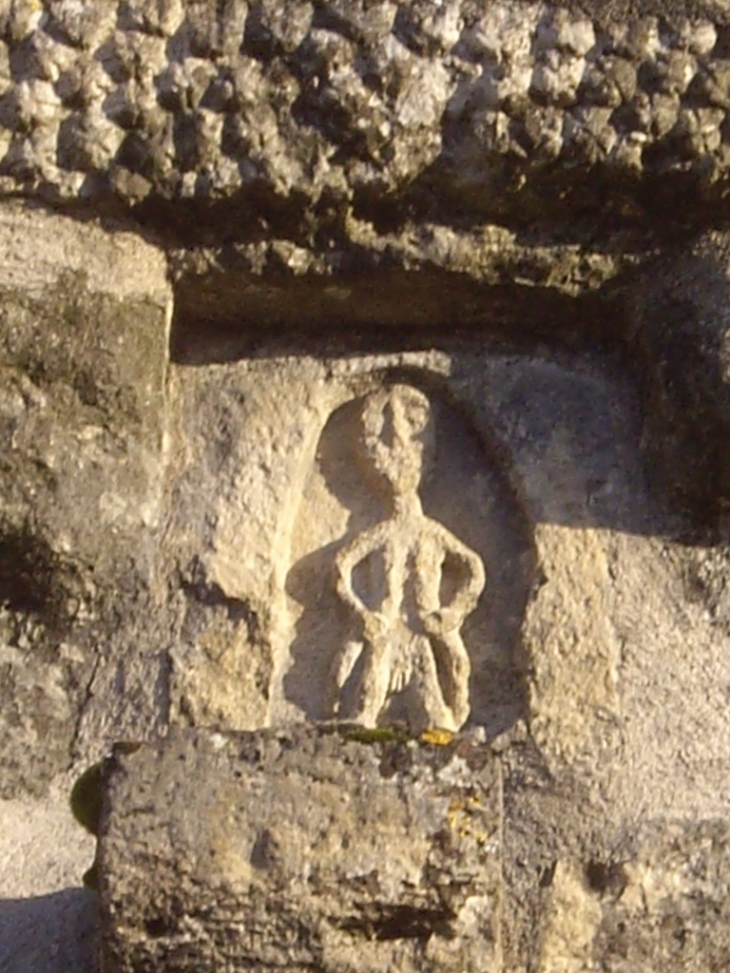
396	428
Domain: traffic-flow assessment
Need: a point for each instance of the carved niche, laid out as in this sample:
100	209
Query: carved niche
403	530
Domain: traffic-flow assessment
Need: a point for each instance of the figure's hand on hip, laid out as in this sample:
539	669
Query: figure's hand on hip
441	622
375	627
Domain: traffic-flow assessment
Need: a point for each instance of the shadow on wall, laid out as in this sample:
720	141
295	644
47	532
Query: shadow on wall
577	405
53	933
662	331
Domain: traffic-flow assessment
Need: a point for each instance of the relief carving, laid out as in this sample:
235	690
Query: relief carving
411	582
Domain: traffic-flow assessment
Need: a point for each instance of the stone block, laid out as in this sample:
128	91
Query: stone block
661	905
83	348
327	849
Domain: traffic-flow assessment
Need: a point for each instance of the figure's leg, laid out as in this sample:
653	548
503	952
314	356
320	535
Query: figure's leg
460	666
344	663
428	686
371	694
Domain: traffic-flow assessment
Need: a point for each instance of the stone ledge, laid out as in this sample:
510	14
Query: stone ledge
307	848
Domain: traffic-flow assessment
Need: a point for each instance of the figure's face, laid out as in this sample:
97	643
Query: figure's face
396	421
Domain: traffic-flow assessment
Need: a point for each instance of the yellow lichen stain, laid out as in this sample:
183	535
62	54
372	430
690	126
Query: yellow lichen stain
463	815
433	736
437	737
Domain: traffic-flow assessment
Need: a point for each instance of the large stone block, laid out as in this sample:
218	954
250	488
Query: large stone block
83	348
310	849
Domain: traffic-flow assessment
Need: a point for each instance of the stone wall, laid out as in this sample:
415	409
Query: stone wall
338	329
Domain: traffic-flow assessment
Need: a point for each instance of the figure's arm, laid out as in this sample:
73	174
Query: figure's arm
465	600
450	616
347	559
375	624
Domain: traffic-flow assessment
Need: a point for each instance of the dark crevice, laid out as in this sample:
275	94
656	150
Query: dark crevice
158	927
572	204
606	877
35	581
547	874
382	922
196	587
81	709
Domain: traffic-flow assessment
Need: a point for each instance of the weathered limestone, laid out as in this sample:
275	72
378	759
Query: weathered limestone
83	334
663	906
369	362
297	481
304	849
350	133
84	325
570	635
582	598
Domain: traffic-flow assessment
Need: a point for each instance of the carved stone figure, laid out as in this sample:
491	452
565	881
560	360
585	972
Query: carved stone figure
393	575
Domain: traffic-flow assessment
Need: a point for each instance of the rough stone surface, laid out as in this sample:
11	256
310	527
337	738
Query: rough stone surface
287	474
83	334
659	905
306	850
681	324
328	100
666	907
589	582
570	635
226	230
83	357
317	137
